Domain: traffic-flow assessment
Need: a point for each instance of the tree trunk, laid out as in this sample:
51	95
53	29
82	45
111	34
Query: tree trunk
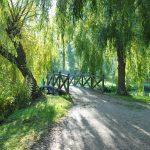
13	30
20	62
27	74
121	89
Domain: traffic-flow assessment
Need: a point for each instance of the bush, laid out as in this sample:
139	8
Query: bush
12	97
110	89
22	94
6	106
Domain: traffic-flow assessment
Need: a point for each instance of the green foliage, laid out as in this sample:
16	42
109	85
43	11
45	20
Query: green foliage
12	96
94	30
27	22
40	52
22	94
15	92
103	27
21	23
25	126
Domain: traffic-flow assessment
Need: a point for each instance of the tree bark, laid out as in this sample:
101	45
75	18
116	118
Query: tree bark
121	88
27	74
20	62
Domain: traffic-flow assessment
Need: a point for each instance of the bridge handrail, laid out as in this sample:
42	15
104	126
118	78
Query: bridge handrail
60	80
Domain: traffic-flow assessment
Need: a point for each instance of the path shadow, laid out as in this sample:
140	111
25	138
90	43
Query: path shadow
97	123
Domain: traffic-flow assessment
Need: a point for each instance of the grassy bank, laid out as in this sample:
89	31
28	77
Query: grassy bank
25	126
143	99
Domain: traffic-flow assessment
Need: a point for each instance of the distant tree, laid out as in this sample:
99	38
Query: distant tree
116	22
71	58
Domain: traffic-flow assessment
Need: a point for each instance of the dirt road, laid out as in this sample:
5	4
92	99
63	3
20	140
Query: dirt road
99	122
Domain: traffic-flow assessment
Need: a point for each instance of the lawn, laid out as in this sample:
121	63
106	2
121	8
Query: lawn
25	126
143	99
111	88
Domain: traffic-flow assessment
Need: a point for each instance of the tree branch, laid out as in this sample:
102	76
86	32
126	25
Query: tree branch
11	12
8	55
29	6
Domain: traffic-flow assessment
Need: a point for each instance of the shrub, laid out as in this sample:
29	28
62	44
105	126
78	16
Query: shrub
22	94
110	88
12	97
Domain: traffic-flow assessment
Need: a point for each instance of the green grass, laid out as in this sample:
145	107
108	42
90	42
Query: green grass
143	99
25	126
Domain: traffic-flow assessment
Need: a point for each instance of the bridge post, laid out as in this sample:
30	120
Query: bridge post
74	79
53	78
102	84
59	81
82	79
92	81
68	78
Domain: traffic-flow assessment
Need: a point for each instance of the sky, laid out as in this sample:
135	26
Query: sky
53	8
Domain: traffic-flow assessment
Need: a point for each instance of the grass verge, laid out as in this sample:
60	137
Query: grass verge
25	126
143	99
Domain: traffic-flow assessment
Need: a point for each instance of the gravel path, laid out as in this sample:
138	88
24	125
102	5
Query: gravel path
99	122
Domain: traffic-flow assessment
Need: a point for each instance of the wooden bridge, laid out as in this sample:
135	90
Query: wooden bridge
61	82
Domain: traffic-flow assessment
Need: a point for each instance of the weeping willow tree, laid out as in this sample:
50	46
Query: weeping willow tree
118	23
88	50
18	18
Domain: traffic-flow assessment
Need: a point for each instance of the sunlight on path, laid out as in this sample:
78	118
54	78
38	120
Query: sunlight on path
96	122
